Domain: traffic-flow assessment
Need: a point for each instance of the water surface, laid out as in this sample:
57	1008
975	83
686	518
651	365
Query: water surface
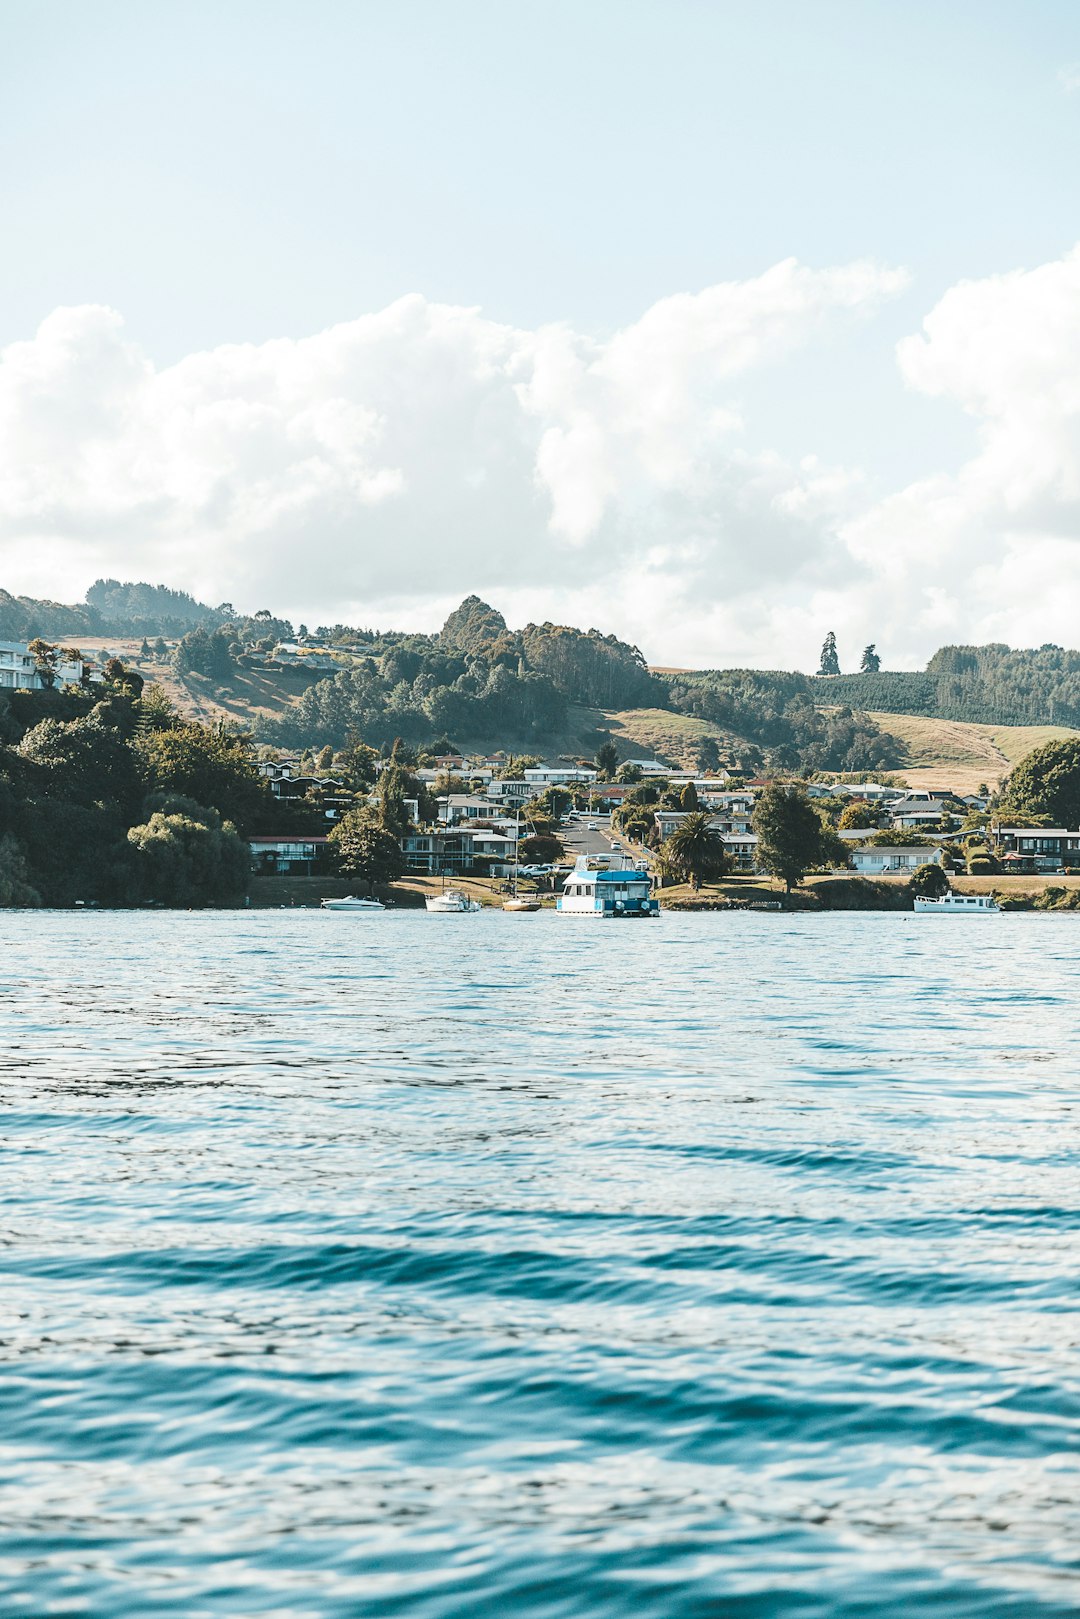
447	1266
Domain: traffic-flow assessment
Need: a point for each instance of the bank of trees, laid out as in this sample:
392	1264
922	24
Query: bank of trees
107	797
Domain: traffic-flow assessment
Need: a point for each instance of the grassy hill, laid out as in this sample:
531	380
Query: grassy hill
958	754
939	753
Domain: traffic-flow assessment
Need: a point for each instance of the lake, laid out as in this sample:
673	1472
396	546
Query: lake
451	1266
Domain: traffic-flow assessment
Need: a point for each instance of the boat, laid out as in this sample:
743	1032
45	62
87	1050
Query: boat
354	904
609	886
518	902
452	899
959	905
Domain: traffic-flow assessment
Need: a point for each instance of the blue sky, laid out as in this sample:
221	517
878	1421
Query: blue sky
241	173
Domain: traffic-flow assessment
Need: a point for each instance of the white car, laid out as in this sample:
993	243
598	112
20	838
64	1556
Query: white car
594	826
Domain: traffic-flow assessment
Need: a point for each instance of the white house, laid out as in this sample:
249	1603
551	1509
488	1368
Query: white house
541	776
877	859
509	792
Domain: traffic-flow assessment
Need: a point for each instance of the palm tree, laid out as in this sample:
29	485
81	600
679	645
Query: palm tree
696	851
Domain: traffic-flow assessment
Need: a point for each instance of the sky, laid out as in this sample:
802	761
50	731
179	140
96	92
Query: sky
713	325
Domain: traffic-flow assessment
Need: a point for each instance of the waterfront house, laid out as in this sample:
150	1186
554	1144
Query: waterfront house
455	849
1037	848
540	776
287	856
878	859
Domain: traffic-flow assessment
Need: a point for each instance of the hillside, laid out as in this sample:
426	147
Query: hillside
958	754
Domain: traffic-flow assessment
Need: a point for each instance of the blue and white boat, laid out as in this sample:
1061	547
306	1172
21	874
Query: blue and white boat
597	887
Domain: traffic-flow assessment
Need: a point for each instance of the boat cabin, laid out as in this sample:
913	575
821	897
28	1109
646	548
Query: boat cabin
602	886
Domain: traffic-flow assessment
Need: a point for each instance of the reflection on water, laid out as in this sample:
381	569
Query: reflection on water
723	1266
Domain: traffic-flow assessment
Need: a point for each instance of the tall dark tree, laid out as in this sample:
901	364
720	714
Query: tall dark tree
830	662
870	662
366	851
791	838
607	759
1046	782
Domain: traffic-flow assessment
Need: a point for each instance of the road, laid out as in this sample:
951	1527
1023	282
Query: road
577	839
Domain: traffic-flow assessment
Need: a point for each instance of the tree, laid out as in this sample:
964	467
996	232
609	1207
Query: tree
190	859
870	663
45	660
688	798
607	760
15	888
629	773
161	649
210	767
789	832
365	850
696	851
144	650
1046	782
830	663
858	814
325	762
540	848
708	754
928	881
392	788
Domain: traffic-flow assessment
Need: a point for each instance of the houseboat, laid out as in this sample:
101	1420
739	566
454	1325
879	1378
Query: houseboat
597	887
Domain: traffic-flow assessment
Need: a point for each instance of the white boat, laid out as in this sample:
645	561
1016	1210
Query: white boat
959	905
452	899
609	886
353	904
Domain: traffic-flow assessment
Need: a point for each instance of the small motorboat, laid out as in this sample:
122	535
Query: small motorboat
353	904
452	899
516	904
959	905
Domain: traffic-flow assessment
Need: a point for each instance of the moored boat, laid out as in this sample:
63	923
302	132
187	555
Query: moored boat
959	905
452	899
522	905
598	887
353	904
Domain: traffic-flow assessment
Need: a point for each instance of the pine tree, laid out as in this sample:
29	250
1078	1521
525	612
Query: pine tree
871	663
830	663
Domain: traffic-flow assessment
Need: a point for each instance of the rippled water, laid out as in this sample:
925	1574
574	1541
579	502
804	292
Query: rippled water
447	1266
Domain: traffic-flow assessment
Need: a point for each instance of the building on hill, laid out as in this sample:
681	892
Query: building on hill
455	850
19	670
541	776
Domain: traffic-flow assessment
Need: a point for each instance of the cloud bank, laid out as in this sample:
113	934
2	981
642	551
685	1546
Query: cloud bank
380	470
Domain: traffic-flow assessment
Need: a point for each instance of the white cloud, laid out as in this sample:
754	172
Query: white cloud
1069	77
991	552
391	464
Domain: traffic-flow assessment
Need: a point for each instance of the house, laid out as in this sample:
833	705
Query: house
742	847
540	776
873	791
877	859
17	668
1037	848
455	849
648	767
509	792
457	807
288	856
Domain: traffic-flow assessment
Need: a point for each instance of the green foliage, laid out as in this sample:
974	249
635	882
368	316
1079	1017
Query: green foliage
870	663
191	859
696	852
688	798
607	760
85	762
210	767
858	813
928	881
540	848
472	626
775	710
897	837
830	662
791	837
15	888
366	851
1046	782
